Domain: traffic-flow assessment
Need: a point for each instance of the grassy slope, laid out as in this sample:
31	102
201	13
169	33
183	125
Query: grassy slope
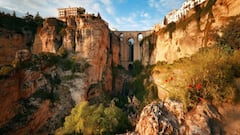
207	75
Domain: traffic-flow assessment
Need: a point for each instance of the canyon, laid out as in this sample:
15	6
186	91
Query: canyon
59	64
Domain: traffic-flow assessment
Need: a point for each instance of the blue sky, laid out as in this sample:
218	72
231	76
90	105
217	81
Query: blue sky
120	14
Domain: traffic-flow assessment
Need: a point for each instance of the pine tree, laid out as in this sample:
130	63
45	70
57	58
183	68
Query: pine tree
14	13
38	19
28	17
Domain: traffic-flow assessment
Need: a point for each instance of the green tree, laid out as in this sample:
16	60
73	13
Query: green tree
38	19
94	119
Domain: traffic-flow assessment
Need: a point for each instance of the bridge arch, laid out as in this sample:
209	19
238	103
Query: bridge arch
121	36
140	37
131	49
130	53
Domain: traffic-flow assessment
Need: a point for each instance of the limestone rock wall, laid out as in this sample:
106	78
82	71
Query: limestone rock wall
48	38
25	106
187	41
11	42
93	44
115	45
87	39
21	85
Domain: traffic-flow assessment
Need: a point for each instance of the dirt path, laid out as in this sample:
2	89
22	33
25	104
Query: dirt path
231	118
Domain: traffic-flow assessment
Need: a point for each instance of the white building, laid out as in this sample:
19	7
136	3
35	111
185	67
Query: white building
172	16
175	15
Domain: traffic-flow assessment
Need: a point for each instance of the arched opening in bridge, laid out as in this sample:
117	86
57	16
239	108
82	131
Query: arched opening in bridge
140	37
121	37
130	67
130	49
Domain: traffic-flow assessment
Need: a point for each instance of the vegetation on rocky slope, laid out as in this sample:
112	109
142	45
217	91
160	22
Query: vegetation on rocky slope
45	67
231	33
207	75
95	119
28	22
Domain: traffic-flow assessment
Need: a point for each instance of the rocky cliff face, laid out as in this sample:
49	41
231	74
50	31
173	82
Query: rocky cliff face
176	41
31	102
31	82
186	37
87	38
11	42
191	34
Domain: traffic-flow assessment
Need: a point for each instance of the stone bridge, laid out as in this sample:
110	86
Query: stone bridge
130	48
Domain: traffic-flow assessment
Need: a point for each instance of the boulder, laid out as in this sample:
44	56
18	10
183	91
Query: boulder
168	117
161	118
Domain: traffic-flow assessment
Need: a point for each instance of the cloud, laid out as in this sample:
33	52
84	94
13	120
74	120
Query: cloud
49	7
165	5
109	10
145	15
137	20
108	6
154	4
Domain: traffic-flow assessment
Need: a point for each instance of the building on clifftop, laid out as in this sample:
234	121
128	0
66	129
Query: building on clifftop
176	14
63	13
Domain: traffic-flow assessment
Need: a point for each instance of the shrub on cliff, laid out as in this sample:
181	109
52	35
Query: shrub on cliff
171	27
143	88
137	68
5	71
94	119
231	33
62	52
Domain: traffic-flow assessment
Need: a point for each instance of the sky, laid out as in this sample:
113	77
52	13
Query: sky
123	15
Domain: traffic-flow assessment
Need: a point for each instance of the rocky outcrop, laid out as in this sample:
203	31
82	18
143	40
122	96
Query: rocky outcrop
231	118
204	120
11	42
169	118
23	55
87	40
76	84
115	47
48	39
93	44
190	35
37	120
20	85
25	107
87	37
161	118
